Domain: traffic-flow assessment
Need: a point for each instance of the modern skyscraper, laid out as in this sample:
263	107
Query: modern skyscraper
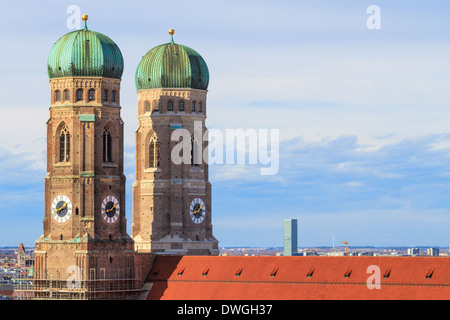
433	252
413	251
290	237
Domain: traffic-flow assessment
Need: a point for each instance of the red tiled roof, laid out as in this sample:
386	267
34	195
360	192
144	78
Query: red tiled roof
294	278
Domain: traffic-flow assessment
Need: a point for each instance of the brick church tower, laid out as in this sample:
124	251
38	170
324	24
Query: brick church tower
84	239
172	199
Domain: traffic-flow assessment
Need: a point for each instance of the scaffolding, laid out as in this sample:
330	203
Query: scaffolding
95	284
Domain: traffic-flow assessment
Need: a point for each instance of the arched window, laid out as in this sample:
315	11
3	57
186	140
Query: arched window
147	106
91	94
156	104
79	94
113	96
181	106
170	106
154	152
105	96
195	152
57	95
107	149
193	106
66	94
200	107
64	145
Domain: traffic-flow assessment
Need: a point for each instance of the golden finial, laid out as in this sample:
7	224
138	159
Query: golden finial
171	32
85	17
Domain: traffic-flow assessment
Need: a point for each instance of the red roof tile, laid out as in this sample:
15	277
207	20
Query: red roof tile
287	278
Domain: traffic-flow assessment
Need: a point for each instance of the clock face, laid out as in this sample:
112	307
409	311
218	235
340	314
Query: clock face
61	208
197	210
110	209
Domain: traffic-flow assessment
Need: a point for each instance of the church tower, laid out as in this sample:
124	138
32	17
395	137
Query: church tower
84	238
172	198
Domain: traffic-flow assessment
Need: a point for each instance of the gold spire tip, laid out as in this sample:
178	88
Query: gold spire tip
171	31
85	17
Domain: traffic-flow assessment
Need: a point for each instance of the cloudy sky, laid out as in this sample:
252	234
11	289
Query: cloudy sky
363	114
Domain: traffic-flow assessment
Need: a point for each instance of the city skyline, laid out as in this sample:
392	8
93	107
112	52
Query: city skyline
362	114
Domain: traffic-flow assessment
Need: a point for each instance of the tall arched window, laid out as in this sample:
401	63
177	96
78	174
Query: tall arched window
105	96
147	106
113	96
156	104
200	107
181	106
91	94
66	94
79	94
195	161
170	106
107	149
64	145
154	152
57	95
193	106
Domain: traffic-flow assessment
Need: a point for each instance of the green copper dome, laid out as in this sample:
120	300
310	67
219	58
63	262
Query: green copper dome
172	65
85	53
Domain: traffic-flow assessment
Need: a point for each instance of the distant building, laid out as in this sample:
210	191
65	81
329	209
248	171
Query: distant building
433	252
21	256
413	251
290	237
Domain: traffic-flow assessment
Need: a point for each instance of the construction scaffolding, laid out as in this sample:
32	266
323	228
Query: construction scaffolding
96	284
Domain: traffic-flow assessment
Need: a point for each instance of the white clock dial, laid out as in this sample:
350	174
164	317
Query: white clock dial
197	210
61	208
110	209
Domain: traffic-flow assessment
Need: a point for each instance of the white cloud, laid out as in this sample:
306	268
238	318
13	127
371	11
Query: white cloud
355	184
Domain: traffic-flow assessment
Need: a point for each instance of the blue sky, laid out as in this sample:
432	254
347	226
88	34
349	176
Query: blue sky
363	114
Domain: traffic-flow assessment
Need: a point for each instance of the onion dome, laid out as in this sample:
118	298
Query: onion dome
172	65
85	53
